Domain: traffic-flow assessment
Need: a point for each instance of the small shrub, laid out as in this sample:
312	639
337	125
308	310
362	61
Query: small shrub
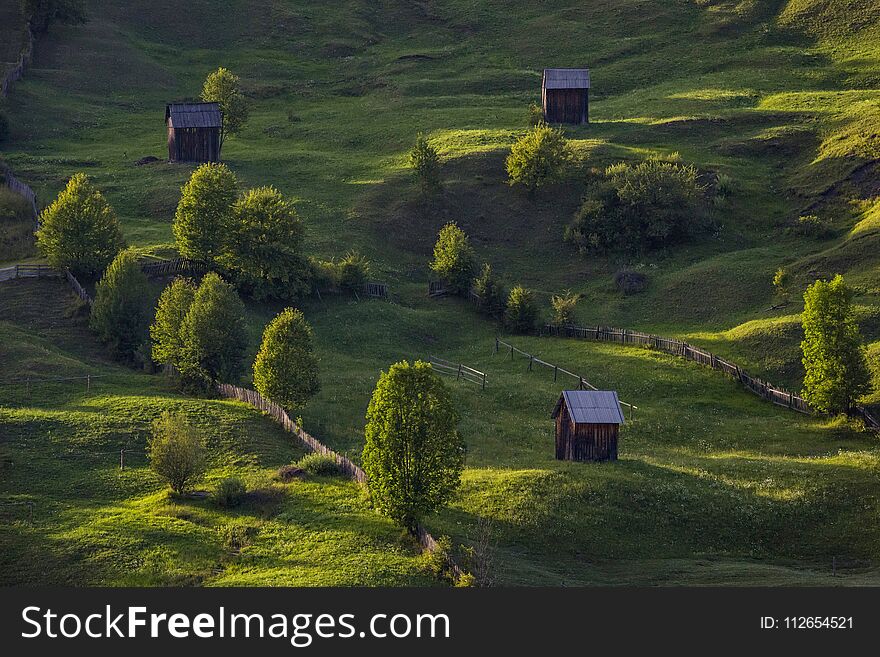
454	259
540	158
465	580
236	536
563	307
266	500
425	162
229	492
812	226
177	452
630	282
319	465
352	271
287	473
535	114
521	314
323	275
781	280
489	289
438	560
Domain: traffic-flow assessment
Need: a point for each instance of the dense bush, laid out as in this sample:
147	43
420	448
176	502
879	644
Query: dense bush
286	368
535	114
165	332
352	272
521	314
229	492
318	465
204	213
425	163
563	307
263	246
413	454
781	280
487	286
224	88
121	312
454	259
79	229
632	207
630	282
812	226
541	157
237	535
177	452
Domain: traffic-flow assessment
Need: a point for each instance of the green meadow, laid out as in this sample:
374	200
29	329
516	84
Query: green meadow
713	485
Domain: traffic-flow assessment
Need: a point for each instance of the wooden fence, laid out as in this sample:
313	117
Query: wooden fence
15	73
376	290
459	371
436	288
345	464
175	267
24	191
676	347
28	271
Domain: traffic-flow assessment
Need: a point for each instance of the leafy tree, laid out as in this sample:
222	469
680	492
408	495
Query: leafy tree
631	207
413	454
224	88
213	334
80	230
521	314
264	245
177	451
781	280
120	315
204	212
563	307
834	357
541	157
286	369
40	14
352	271
488	287
425	162
454	259
165	332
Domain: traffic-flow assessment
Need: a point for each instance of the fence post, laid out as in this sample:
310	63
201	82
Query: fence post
555	372
581	383
531	359
484	380
122	459
459	372
496	346
88	381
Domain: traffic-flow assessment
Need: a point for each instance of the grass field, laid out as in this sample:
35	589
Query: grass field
713	486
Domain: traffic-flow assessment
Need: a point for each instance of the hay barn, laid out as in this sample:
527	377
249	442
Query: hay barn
565	95
587	425
193	132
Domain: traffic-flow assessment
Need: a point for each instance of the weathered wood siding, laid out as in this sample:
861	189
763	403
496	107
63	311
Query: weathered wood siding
566	105
193	144
584	442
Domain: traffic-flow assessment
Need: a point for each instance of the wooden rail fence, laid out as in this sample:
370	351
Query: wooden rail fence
459	371
24	191
175	267
15	73
345	464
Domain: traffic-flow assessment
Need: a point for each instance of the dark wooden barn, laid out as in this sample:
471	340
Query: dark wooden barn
587	425
565	95
193	132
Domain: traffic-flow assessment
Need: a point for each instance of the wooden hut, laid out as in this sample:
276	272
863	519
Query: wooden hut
193	132
587	425
565	95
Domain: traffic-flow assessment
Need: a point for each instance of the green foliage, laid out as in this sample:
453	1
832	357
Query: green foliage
224	88
237	535
319	465
781	280
352	271
165	332
413	454
540	158
286	368
425	163
521	314
834	357
79	229
812	226
263	247
535	114
563	307
630	282
488	287
121	312
632	207
177	451
40	14
16	226
454	259
213	334
204	213
230	492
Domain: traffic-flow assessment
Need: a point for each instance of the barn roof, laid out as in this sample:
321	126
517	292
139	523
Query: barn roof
194	115
591	406
566	78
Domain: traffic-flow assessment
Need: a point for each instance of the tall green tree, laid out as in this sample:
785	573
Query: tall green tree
413	455
521	314
541	157
80	230
286	368
165	332
834	356
204	212
264	246
224	88
121	312
425	163
454	259
213	334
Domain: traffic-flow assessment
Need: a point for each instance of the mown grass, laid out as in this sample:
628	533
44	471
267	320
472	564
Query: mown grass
713	486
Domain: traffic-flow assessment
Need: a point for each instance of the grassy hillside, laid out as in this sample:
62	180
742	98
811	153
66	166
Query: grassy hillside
713	485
